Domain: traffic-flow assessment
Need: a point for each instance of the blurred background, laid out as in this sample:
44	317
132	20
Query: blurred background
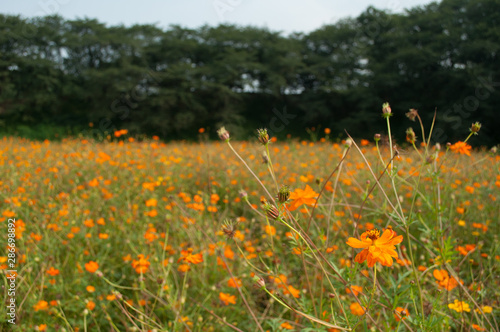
168	68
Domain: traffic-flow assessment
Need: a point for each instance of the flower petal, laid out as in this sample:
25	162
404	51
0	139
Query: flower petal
355	243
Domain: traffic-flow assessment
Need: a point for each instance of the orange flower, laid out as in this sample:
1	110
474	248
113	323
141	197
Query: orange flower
293	291
376	248
357	309
121	132
271	230
183	268
152	213
227	298
188	257
90	305
464	251
355	290
400	314
300	197
234	282
41	305
151	202
42	327
90	289
444	280
52	272
461	147
142	264
287	325
91	266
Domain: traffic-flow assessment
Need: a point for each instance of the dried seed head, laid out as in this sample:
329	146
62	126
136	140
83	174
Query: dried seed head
475	128
223	134
412	114
229	228
410	136
263	136
283	194
243	194
377	137
494	150
438	146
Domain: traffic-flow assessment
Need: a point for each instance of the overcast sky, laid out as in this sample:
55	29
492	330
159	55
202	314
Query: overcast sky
277	15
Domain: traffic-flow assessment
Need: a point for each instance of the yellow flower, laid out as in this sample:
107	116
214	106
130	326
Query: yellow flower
486	309
459	306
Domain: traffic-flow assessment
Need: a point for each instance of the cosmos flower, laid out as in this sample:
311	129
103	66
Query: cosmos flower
227	298
376	248
461	147
141	265
91	266
300	197
459	306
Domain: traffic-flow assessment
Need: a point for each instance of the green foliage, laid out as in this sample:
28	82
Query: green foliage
171	82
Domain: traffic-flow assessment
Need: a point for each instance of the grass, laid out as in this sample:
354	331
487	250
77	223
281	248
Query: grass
147	236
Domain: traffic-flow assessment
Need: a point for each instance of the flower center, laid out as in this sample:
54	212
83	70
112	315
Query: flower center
373	234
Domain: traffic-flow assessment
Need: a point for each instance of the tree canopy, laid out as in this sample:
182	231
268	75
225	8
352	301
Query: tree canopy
62	73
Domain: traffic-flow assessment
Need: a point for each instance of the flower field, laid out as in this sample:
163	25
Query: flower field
128	235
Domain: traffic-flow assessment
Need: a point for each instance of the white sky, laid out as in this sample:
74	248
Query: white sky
277	15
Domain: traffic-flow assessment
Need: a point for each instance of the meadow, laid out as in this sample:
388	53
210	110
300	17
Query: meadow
141	235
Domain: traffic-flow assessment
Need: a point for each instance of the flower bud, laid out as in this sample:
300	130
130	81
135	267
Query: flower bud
386	110
430	159
243	194
377	137
263	136
259	282
271	211
223	134
410	136
475	128
348	143
283	194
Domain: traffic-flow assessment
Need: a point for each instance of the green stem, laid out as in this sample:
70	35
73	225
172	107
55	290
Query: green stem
271	166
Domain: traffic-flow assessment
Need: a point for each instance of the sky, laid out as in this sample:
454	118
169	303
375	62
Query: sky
286	16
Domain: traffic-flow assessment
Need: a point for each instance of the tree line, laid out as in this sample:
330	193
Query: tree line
60	75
